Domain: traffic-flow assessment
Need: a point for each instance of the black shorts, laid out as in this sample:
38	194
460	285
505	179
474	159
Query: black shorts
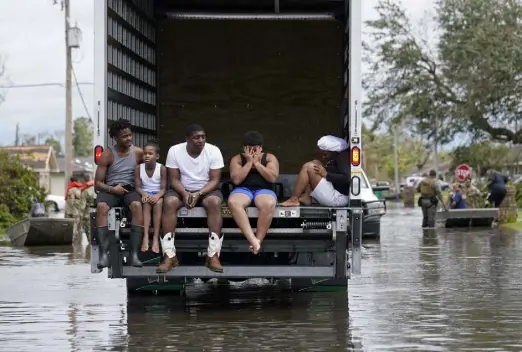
114	200
173	193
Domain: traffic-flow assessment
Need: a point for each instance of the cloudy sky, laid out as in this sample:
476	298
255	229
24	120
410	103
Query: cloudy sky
32	41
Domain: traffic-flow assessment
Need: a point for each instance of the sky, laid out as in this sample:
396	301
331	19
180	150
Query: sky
32	41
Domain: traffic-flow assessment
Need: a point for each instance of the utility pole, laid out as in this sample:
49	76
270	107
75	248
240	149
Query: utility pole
69	150
396	163
17	137
436	149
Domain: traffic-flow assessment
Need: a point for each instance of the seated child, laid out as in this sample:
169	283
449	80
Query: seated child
458	200
151	184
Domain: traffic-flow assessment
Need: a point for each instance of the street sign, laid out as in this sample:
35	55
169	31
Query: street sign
462	172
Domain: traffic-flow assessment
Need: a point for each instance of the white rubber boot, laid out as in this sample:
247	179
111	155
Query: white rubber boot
170	260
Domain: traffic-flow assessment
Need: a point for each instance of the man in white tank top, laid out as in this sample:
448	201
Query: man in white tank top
194	170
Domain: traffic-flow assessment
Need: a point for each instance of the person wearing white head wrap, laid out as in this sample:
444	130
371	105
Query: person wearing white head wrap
330	185
332	144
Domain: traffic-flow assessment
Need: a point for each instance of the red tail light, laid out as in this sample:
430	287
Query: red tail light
98	150
356	156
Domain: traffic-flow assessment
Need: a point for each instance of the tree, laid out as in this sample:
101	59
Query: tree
484	156
83	138
55	144
28	139
378	158
467	81
19	187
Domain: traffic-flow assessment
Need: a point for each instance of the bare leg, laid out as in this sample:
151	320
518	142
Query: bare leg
146	226
212	205
266	205
306	198
169	217
102	214
306	178
237	203
157	209
137	213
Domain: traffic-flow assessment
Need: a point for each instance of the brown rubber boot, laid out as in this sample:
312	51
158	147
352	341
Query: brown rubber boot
214	264
167	264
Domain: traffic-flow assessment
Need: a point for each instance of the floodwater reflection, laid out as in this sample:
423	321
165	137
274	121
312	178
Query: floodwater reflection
433	290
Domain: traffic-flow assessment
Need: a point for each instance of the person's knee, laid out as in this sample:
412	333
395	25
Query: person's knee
135	207
212	203
309	166
171	204
267	205
102	209
159	203
235	203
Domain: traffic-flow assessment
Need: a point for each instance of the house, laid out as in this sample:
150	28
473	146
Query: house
81	166
41	158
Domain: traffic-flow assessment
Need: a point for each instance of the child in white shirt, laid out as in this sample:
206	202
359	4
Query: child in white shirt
151	184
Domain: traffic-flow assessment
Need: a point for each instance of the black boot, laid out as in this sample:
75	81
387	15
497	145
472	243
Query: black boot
136	236
102	234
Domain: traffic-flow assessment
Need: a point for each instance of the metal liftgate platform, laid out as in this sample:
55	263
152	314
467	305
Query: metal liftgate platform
328	245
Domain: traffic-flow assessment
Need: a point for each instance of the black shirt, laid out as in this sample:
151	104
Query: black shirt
338	172
254	181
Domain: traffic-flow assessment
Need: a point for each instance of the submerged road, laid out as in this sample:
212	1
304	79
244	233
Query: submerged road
420	291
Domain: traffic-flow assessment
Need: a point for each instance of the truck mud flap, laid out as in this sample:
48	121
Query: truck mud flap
357	223
95	249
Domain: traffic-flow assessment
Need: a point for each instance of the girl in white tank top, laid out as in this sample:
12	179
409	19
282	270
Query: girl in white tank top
151	184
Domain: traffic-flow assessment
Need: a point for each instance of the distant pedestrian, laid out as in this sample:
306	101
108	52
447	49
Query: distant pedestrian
87	202
497	187
429	199
73	203
473	194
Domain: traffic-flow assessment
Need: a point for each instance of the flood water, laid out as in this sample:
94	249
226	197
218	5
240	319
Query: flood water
419	291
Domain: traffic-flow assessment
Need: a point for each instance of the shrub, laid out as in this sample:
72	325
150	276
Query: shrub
19	189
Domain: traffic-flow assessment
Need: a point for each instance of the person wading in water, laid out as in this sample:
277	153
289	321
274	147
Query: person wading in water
429	199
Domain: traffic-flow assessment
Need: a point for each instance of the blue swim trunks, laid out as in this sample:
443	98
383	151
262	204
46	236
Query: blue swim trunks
152	194
253	194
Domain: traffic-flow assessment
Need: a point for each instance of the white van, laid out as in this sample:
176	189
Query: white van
374	208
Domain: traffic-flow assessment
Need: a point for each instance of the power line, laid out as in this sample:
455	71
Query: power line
36	85
81	94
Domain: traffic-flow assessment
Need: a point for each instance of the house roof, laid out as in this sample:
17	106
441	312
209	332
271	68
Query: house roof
39	157
80	164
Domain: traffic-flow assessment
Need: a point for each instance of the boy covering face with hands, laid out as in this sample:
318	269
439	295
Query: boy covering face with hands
254	174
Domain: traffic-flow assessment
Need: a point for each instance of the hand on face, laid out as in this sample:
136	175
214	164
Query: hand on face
252	154
256	152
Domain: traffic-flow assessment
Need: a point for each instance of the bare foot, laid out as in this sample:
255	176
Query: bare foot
145	244
305	199
256	248
292	202
155	245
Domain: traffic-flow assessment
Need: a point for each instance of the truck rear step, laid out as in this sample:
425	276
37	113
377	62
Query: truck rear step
290	271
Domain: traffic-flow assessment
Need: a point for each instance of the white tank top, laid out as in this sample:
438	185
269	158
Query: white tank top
151	184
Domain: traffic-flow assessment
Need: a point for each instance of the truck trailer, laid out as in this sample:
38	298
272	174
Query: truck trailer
290	69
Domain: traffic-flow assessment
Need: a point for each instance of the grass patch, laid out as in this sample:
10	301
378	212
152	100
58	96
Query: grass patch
514	225
4	240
